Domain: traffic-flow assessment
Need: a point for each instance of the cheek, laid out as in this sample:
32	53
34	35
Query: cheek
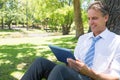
99	22
96	22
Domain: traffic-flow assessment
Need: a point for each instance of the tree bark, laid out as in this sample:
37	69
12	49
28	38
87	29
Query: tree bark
113	23
65	29
77	18
2	23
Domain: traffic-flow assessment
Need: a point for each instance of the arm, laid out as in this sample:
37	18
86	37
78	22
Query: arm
83	69
101	76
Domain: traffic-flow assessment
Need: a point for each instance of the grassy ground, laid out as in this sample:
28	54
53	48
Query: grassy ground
18	49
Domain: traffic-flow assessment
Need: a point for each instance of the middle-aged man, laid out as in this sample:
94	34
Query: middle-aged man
97	54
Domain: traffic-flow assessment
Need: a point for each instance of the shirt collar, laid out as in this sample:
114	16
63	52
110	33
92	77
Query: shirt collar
103	35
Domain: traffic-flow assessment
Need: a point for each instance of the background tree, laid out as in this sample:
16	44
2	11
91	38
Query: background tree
52	14
77	18
113	23
63	18
11	12
2	12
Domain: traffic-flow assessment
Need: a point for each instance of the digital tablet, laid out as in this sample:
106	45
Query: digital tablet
61	53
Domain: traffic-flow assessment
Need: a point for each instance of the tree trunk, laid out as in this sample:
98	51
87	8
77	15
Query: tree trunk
9	24
65	29
77	18
113	23
2	23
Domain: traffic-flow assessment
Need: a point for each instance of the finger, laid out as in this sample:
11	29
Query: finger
69	62
69	59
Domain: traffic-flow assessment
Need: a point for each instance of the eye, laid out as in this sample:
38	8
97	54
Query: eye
95	18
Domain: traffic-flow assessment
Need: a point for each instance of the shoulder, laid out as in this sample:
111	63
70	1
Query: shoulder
111	35
86	35
116	36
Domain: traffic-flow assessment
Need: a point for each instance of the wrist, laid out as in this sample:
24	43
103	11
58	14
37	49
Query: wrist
92	74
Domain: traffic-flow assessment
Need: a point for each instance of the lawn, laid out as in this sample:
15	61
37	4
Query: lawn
18	49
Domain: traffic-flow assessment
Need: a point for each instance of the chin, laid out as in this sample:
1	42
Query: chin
93	30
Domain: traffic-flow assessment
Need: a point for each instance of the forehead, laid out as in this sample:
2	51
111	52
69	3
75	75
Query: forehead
93	12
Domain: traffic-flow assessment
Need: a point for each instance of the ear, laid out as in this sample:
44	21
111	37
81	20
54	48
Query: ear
106	18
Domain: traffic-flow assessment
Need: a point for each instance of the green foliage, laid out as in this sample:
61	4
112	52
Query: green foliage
62	16
51	13
65	15
85	20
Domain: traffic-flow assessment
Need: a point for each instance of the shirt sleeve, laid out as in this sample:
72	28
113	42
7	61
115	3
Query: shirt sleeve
76	51
115	65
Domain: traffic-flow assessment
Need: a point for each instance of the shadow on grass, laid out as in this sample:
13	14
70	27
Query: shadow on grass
15	59
11	57
68	42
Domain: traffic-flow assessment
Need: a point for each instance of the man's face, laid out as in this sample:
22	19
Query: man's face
96	21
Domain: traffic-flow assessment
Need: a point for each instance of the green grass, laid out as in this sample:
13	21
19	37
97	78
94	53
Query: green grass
17	53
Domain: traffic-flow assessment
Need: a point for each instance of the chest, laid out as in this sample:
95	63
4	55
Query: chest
103	49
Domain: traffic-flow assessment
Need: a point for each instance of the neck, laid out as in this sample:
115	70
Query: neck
97	33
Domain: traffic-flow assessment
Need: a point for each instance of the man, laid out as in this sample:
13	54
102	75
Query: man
102	64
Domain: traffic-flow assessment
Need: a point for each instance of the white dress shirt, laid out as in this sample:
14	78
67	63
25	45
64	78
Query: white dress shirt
107	52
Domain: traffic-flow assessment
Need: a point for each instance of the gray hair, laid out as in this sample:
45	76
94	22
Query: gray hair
98	5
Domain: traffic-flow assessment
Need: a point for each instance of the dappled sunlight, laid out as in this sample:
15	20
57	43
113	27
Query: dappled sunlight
17	74
21	66
17	54
65	41
4	61
15	57
42	47
3	55
52	58
21	55
40	52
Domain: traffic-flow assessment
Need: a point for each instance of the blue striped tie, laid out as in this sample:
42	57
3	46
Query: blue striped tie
90	54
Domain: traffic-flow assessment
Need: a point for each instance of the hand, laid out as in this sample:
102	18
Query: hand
78	66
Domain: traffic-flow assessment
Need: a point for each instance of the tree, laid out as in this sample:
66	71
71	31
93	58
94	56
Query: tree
77	18
62	18
113	23
11	13
2	12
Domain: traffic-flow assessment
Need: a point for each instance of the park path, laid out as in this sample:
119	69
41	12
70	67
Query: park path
39	34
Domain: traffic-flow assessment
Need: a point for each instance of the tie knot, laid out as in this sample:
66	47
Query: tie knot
96	38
